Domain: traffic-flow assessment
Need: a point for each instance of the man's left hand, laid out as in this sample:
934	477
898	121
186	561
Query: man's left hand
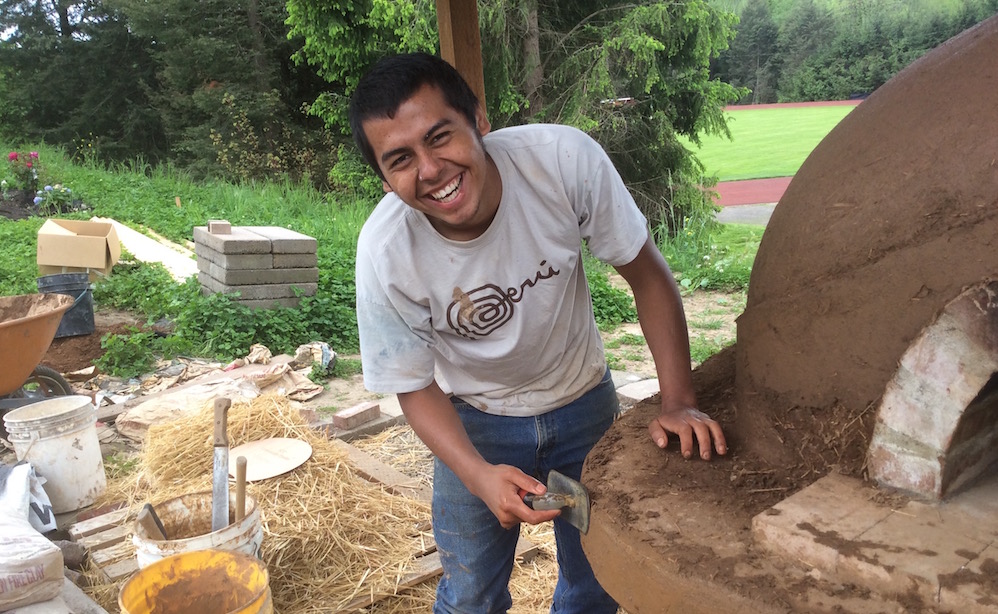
688	423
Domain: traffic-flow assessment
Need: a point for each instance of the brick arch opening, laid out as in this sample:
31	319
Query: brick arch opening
937	424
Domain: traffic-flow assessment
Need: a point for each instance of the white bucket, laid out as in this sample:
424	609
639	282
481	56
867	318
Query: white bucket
187	520
58	436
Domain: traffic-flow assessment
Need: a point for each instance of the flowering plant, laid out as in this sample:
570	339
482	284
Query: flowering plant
24	169
54	199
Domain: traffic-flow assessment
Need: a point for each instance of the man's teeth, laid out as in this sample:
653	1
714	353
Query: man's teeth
448	192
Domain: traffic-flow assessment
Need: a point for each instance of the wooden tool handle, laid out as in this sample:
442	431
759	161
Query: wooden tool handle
240	488
221	421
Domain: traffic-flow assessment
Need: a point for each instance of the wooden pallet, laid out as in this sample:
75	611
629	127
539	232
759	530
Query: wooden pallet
108	536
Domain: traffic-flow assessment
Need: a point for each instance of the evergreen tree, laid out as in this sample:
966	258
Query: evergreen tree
632	75
228	95
752	61
73	74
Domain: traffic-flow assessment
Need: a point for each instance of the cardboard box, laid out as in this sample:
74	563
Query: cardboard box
68	246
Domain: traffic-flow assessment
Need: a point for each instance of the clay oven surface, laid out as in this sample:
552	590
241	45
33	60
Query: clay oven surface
891	217
889	220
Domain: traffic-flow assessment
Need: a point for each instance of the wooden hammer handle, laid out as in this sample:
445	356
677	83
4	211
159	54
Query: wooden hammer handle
240	488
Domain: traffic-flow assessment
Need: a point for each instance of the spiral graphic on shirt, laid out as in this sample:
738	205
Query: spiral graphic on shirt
479	312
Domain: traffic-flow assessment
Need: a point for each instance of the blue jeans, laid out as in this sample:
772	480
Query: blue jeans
476	553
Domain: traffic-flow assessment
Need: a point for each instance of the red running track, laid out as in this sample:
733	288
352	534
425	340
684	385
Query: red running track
764	191
751	191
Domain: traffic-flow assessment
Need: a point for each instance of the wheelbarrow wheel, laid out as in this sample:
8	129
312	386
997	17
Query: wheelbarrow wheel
44	382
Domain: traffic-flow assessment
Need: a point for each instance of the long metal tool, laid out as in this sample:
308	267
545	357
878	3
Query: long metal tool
564	494
220	467
150	522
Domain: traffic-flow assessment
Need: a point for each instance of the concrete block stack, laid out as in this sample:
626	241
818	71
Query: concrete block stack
265	265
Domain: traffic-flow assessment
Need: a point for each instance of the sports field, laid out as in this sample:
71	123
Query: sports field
768	140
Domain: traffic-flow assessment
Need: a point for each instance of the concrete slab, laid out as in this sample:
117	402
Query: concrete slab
178	260
234	261
635	392
757	215
259	291
240	241
296	261
623	378
255	277
285	240
945	553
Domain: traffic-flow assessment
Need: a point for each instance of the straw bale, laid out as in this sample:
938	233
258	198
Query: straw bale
532	583
329	535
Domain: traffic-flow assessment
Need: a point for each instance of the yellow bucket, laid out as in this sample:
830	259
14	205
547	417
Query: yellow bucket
204	581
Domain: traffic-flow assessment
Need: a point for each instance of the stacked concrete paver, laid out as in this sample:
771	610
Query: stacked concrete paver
265	265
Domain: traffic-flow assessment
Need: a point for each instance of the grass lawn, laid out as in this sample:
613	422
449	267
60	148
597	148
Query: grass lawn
767	142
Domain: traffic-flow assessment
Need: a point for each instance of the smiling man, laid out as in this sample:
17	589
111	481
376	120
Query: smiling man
470	280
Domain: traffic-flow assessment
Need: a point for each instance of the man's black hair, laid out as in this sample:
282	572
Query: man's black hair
394	80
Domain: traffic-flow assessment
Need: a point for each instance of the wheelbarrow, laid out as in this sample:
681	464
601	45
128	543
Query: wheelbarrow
28	323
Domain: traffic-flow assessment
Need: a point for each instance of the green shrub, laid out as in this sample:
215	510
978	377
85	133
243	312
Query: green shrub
346	367
703	347
611	306
713	256
128	355
17	258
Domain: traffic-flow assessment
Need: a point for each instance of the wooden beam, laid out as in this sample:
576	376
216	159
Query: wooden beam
461	41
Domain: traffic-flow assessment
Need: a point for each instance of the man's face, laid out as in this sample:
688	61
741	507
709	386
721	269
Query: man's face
434	160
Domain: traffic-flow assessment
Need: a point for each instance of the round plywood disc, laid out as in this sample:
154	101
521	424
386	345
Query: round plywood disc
267	458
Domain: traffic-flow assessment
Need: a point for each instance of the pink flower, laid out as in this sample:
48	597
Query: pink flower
33	155
12	156
28	164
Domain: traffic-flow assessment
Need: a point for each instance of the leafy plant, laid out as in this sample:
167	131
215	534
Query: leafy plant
119	465
346	367
145	288
128	355
24	170
318	374
703	347
624	339
712	256
611	306
703	324
17	258
54	199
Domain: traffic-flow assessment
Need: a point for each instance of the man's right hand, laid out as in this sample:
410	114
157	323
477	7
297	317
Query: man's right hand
502	488
431	414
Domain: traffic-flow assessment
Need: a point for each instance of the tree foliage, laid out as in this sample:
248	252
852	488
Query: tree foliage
752	61
228	95
208	85
632	75
73	73
837	49
257	89
342	39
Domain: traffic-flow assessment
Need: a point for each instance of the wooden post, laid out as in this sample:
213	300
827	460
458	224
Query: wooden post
461	41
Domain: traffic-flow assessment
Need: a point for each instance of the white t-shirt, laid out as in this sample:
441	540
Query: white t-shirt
505	318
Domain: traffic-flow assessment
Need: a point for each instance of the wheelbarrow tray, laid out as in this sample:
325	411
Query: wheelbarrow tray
28	323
